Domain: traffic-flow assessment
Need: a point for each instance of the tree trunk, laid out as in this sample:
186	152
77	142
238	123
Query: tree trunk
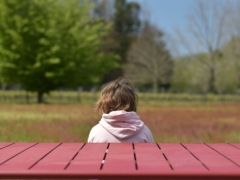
212	88
40	97
212	81
155	85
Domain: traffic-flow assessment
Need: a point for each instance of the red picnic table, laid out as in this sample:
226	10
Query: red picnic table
120	161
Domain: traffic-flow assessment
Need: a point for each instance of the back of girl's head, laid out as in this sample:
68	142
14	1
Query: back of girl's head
117	95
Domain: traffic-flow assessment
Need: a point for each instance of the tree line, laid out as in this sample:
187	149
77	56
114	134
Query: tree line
51	44
212	40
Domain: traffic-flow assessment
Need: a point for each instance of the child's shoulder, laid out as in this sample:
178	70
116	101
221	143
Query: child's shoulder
96	128
148	134
98	134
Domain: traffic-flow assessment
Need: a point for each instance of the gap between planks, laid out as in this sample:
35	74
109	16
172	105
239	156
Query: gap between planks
195	157
17	154
104	157
6	146
74	156
222	155
165	156
43	157
135	157
107	150
233	146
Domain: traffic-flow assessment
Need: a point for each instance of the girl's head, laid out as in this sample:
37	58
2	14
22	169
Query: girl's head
117	95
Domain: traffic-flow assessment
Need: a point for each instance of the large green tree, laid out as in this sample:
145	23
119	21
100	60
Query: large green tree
49	44
126	26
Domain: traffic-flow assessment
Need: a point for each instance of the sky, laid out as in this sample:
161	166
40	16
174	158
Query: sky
169	15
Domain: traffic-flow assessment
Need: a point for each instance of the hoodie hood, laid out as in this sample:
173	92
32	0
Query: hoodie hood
122	124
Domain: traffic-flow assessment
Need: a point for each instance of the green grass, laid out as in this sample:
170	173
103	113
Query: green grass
73	97
73	122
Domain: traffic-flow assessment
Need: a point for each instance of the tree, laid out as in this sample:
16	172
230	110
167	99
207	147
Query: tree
124	16
234	23
190	75
49	44
206	32
103	9
148	59
126	25
182	77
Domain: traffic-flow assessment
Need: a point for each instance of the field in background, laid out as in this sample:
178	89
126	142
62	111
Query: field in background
72	122
73	97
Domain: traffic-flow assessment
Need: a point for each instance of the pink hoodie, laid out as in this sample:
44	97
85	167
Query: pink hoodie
120	126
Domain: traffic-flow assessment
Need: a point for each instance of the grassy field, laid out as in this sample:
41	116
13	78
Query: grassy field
75	97
72	123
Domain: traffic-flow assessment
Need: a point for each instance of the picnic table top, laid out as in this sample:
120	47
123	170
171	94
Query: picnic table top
111	160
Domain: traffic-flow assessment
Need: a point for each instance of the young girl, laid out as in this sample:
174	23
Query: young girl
119	122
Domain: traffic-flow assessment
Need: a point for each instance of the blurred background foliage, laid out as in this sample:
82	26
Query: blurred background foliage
60	44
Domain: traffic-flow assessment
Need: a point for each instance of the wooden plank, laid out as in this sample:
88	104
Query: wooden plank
211	159
150	159
13	150
89	159
59	158
180	158
4	145
119	159
237	145
230	152
28	158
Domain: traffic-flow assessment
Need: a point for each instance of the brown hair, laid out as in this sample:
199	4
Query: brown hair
117	95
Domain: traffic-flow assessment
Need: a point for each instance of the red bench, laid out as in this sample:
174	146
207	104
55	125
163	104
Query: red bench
120	161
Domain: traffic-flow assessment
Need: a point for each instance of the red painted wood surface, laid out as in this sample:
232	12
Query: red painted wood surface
89	159
228	151
58	159
26	159
181	159
122	161
8	153
150	159
119	159
3	145
235	145
211	159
